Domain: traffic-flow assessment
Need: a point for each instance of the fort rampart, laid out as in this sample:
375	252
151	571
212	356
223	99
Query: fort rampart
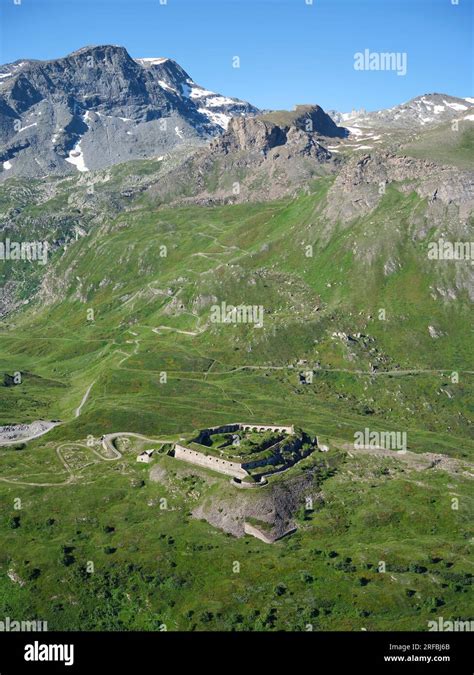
234	469
237	426
222	465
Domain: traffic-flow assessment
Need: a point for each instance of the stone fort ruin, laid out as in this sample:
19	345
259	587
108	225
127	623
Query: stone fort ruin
246	452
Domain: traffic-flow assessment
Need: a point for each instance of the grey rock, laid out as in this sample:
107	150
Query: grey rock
97	107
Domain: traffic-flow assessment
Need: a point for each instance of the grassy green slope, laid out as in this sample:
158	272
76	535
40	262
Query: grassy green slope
445	144
384	551
151	315
118	314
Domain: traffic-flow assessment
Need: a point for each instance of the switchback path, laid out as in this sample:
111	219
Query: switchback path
107	440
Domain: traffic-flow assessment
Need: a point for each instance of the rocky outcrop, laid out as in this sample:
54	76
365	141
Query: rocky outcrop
252	135
361	183
263	157
274	504
300	128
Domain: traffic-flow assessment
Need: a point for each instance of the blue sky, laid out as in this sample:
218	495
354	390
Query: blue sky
290	51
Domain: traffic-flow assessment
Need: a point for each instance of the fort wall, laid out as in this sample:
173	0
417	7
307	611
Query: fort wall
267	427
268	538
223	428
259	534
228	428
216	464
234	469
296	444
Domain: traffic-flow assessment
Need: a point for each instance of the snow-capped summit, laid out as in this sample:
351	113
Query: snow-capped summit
216	108
419	112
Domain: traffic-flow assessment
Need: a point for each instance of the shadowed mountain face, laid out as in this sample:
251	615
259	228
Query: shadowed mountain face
98	107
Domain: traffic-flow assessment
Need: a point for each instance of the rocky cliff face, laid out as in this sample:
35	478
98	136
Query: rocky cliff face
360	184
252	135
302	127
275	505
97	107
263	157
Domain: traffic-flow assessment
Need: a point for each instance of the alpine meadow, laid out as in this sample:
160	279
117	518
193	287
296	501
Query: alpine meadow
236	373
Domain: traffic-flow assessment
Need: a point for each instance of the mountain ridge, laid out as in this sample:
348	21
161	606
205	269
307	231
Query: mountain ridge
420	111
98	106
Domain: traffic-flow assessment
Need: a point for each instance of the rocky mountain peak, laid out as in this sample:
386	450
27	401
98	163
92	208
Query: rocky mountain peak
99	52
99	106
261	133
309	118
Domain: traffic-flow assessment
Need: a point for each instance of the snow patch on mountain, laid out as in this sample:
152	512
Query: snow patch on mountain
195	91
221	119
456	106
166	86
152	61
76	157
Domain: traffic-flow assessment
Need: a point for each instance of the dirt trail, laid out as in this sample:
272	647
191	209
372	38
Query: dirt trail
107	440
84	399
